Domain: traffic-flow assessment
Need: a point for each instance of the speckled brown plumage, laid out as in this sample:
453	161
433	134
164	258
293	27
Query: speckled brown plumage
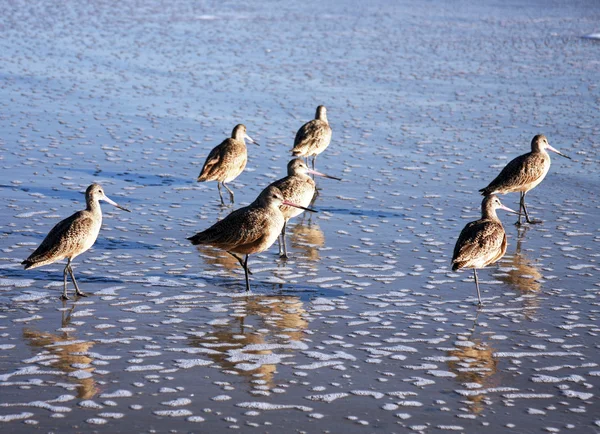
296	187
226	161
313	137
523	173
481	242
72	236
251	229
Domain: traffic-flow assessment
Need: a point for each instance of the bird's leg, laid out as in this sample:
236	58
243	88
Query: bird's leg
284	255
230	192
241	261
220	195
64	295
247	271
527	219
477	286
313	162
518	223
77	290
280	245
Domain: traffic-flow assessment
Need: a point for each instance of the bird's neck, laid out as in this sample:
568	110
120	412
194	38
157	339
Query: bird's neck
239	136
93	206
489	213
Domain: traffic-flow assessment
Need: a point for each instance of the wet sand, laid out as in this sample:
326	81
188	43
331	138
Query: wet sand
365	328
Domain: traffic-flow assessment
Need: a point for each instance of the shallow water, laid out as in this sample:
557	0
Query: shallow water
365	326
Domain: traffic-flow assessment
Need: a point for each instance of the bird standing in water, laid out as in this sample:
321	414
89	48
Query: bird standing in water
524	173
313	137
72	236
227	160
248	230
299	188
481	242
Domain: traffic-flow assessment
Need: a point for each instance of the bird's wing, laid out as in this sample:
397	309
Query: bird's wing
65	236
212	162
519	171
310	133
477	239
239	227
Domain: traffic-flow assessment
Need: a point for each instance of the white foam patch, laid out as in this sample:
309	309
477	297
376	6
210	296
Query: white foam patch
550	379
88	403
441	374
173	413
177	402
329	397
520	354
266	406
12	417
191	363
579	395
144	368
121	393
111	415
30	297
96	421
318	365
80	375
371	393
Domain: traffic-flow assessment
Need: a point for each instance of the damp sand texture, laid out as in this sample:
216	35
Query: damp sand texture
365	327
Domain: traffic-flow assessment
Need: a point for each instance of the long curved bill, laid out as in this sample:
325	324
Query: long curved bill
505	208
314	172
285	202
251	140
113	203
557	151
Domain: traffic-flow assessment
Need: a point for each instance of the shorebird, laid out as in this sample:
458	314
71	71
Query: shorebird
299	188
524	173
313	137
248	230
72	236
227	160
481	242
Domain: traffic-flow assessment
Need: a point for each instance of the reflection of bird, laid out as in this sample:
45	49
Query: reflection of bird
227	160
524	173
475	364
297	187
523	275
72	236
308	238
70	356
481	242
313	137
251	229
280	320
218	258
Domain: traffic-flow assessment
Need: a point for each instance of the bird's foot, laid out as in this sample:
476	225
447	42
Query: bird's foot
283	256
64	297
81	294
534	222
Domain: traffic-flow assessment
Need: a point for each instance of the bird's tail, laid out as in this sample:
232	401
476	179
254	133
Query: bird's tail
457	265
486	191
199	238
28	264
